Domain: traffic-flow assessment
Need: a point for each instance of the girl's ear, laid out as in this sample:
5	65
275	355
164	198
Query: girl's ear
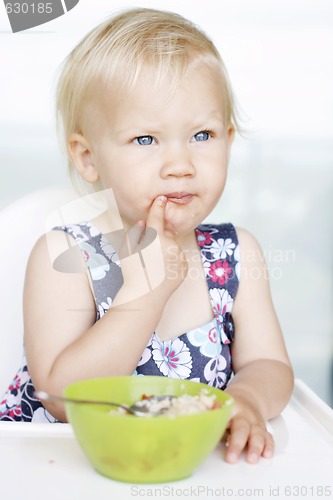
80	152
230	139
231	134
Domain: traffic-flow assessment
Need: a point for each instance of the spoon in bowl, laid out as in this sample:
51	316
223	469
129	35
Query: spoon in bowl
142	408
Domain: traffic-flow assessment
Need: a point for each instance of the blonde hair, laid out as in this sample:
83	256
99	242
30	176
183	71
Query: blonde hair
114	54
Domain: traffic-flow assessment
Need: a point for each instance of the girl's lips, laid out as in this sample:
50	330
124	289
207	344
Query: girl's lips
180	198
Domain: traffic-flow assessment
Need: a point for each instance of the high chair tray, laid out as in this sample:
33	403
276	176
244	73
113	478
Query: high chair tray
39	461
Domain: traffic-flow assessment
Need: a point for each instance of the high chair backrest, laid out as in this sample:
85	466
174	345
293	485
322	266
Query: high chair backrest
21	224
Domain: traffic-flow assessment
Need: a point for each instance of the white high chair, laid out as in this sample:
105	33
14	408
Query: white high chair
21	223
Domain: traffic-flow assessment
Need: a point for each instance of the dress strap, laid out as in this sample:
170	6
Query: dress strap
102	263
220	258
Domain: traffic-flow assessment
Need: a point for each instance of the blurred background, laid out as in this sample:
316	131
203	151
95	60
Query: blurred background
280	187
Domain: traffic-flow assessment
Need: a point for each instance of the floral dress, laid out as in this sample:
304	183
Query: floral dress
202	354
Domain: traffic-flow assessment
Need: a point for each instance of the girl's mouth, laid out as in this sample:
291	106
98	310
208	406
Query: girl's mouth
180	198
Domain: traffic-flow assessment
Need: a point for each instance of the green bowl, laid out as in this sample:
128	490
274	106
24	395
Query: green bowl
138	449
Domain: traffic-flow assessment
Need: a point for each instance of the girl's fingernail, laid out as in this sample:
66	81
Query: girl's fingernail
161	200
232	457
140	223
253	458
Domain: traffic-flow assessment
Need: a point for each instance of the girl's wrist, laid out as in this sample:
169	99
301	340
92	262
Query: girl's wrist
156	297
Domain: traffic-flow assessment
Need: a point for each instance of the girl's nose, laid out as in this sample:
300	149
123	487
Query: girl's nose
177	163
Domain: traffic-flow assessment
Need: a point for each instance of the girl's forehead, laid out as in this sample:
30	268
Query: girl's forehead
150	83
198	94
198	88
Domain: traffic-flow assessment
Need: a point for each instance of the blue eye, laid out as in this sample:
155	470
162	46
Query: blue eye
202	136
144	140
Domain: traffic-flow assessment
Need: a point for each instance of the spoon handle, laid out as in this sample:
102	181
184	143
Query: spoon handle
50	397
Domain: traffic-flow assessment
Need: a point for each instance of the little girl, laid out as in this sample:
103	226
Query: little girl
147	111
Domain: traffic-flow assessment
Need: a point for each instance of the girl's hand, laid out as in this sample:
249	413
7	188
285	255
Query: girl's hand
247	431
153	261
175	263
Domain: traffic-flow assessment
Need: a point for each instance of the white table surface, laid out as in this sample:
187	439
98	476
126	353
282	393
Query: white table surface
40	461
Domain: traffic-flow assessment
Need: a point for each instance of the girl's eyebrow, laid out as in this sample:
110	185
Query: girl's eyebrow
208	122
138	131
211	118
214	114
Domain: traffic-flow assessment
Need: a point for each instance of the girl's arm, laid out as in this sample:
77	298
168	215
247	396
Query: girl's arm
62	340
263	379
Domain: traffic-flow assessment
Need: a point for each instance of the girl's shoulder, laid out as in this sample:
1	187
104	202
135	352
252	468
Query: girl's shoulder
250	249
56	249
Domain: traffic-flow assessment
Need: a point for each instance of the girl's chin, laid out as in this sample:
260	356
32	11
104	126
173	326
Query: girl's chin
181	220
179	226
